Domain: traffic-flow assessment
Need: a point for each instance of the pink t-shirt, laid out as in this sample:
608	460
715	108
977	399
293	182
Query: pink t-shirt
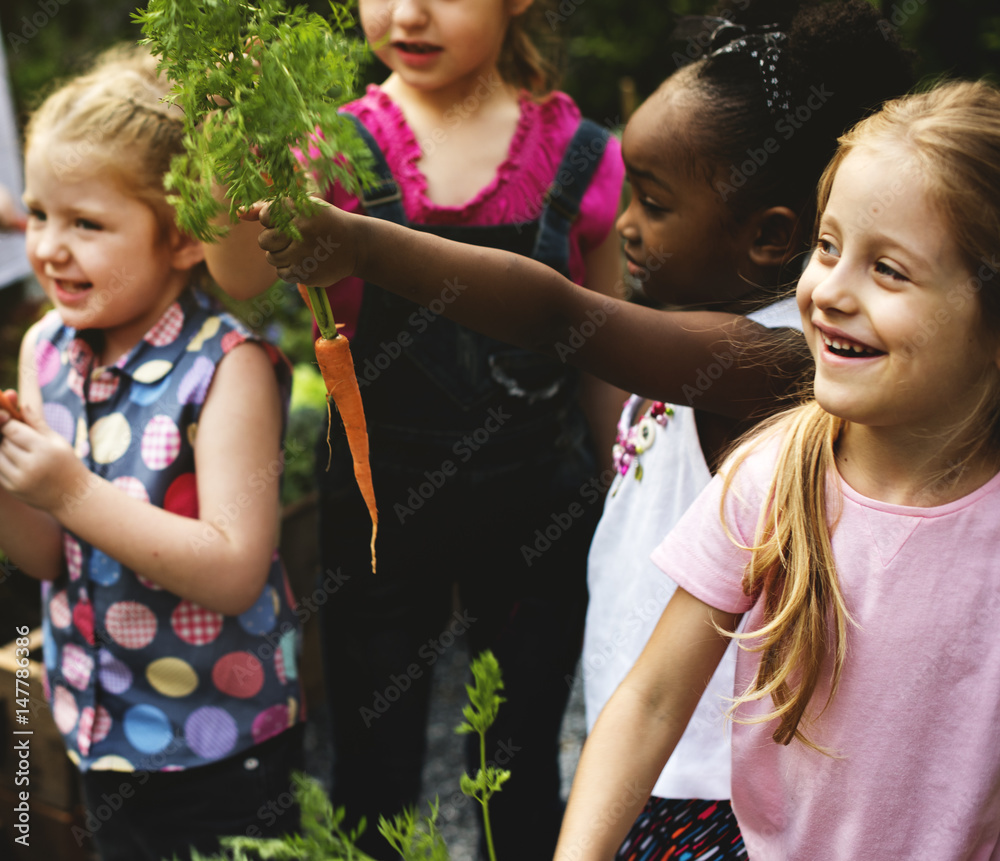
515	194
916	720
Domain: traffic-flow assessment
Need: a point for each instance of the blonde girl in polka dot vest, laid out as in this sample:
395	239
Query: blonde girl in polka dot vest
141	488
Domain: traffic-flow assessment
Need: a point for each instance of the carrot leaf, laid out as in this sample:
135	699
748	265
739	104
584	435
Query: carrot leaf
256	81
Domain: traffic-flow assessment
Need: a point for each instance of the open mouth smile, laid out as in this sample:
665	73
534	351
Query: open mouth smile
416	47
841	346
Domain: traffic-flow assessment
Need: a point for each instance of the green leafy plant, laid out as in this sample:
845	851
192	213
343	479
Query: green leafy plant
255	81
416	838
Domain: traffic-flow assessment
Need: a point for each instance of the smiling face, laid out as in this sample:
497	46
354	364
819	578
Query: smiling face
439	44
888	303
681	242
101	256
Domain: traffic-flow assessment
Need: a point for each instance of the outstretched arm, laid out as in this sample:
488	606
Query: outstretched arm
639	727
709	360
219	560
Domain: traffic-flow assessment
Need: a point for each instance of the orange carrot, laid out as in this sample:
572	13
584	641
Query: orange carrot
337	368
8	406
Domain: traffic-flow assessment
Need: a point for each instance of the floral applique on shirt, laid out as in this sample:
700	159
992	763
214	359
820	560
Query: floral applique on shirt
634	439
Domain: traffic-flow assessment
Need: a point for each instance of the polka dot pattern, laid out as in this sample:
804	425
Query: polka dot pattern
263	615
152	372
182	496
161	443
110	438
60	419
130	624
59	612
145	395
73	554
132	486
76	666
114	675
270	722
209	329
64	709
104	570
194	624
195	383
238	674
147	728
83	618
172	677
211	732
47	362
168	328
137	671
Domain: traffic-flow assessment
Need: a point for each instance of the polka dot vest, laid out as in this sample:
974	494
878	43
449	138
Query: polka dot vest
138	678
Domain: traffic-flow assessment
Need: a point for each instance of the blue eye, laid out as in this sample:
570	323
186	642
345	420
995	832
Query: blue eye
36	214
827	248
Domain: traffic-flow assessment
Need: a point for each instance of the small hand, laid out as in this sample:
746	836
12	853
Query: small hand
36	464
324	255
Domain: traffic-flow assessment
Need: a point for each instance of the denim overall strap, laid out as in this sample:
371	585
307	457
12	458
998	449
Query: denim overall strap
384	200
428	378
564	196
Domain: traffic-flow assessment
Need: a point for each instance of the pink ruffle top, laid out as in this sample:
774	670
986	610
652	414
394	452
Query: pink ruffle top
514	195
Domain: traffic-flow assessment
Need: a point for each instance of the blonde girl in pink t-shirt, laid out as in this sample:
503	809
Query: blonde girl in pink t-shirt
858	535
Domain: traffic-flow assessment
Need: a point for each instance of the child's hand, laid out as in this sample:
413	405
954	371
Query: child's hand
36	464
326	253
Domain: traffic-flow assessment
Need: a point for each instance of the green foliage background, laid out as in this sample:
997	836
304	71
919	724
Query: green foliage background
604	40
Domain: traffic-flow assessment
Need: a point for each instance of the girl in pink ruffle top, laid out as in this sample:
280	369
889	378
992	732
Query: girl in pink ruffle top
482	456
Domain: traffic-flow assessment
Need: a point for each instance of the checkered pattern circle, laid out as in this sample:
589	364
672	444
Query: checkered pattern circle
59	612
168	328
103	385
194	624
161	442
77	666
132	486
64	709
131	625
85	731
74	556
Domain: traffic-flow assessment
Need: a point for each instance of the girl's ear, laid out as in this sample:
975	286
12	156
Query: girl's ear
776	237
187	252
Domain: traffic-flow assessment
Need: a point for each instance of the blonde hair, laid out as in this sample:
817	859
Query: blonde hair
115	118
952	132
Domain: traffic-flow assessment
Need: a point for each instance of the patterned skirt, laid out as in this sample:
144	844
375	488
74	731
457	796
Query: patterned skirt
679	829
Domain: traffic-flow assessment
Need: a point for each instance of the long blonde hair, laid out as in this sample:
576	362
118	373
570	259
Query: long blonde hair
953	133
114	117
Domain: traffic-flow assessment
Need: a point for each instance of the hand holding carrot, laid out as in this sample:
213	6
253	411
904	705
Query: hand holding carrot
8	404
326	253
37	465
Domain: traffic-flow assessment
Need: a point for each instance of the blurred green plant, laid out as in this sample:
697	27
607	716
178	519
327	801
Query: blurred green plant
416	837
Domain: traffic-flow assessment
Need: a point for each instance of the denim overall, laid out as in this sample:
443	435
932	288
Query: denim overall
484	476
